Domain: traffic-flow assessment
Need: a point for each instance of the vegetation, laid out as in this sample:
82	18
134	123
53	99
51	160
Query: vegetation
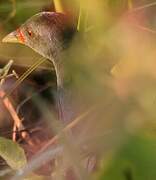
112	64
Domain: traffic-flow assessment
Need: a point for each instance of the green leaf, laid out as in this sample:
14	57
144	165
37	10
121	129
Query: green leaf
12	153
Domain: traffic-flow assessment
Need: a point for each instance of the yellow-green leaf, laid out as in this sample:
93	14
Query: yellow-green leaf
12	153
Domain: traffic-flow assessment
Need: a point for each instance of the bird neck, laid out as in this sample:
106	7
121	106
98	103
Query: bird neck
66	112
60	74
63	77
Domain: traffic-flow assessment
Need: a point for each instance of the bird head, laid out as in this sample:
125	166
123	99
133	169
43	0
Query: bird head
47	33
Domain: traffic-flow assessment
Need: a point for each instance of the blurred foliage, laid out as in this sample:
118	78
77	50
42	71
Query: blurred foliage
134	160
23	10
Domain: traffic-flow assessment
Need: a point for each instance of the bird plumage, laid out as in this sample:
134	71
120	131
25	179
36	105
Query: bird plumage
49	34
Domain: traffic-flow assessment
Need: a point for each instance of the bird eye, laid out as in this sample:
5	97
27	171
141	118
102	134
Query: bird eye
30	33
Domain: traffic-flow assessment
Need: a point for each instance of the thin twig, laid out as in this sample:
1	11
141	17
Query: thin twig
66	129
143	7
144	28
17	121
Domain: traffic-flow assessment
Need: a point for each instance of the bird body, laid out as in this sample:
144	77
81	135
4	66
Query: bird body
49	34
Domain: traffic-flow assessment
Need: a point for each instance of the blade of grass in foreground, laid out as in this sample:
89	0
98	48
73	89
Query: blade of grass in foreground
130	4
58	6
82	20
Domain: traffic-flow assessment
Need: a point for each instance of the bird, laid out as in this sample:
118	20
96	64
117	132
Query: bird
49	34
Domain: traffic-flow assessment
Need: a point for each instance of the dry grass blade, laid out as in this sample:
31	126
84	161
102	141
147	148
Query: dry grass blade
143	7
82	20
145	29
26	74
37	162
67	128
